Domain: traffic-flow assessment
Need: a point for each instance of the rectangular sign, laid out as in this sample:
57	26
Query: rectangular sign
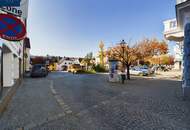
21	11
10	3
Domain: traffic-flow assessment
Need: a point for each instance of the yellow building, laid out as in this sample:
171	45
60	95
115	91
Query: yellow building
53	67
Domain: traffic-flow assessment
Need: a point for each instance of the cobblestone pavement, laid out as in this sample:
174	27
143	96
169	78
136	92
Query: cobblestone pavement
89	102
140	104
32	104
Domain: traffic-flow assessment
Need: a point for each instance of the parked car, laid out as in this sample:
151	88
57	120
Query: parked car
139	71
39	70
74	68
147	69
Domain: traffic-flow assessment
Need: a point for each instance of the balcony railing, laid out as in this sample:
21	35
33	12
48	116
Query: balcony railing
170	25
172	31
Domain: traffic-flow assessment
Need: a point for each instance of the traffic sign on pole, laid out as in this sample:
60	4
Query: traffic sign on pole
11	28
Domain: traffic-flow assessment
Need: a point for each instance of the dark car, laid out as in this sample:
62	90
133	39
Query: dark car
39	70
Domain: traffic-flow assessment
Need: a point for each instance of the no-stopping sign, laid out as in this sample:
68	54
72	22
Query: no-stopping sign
11	28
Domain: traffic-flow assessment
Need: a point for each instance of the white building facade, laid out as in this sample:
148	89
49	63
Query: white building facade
177	34
173	33
12	57
66	61
174	29
13	52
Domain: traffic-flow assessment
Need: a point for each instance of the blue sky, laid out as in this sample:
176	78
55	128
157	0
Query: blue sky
75	27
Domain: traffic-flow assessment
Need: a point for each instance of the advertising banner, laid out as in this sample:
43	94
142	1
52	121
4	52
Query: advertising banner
10	2
113	71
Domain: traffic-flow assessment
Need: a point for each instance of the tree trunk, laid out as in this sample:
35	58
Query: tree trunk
128	73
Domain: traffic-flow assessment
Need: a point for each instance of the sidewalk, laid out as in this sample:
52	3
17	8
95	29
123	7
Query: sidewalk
173	74
32	103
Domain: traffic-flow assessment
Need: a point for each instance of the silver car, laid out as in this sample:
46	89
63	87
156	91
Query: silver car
139	71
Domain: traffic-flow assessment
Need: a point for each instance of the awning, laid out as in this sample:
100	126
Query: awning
14	47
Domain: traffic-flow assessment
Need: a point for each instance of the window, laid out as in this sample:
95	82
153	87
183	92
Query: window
173	24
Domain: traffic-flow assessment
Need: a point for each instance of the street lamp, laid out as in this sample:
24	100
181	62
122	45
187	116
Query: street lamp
123	76
122	44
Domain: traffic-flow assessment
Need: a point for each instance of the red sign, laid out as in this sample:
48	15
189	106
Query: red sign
11	28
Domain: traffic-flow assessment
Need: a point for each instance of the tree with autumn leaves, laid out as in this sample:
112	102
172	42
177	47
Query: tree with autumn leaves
125	54
145	50
162	60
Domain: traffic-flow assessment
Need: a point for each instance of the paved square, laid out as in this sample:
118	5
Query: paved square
90	102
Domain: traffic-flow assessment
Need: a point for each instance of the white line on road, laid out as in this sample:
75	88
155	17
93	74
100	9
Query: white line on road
59	99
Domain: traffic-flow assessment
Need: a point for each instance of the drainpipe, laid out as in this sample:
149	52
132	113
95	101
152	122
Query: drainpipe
23	56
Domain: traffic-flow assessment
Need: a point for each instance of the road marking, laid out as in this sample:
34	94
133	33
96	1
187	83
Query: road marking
59	99
62	103
95	106
69	112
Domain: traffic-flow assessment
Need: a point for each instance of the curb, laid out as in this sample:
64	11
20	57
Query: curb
9	95
162	78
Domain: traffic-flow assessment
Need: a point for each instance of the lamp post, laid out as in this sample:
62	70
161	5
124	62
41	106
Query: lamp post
123	75
122	44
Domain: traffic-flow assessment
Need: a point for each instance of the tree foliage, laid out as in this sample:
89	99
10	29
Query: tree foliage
88	60
162	60
144	51
125	54
101	54
147	48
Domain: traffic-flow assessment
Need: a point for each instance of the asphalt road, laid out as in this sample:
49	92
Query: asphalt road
90	102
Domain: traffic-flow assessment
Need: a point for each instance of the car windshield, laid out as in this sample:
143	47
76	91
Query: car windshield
37	67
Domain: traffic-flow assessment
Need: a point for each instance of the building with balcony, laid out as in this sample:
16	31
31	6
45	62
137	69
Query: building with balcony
174	29
173	33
